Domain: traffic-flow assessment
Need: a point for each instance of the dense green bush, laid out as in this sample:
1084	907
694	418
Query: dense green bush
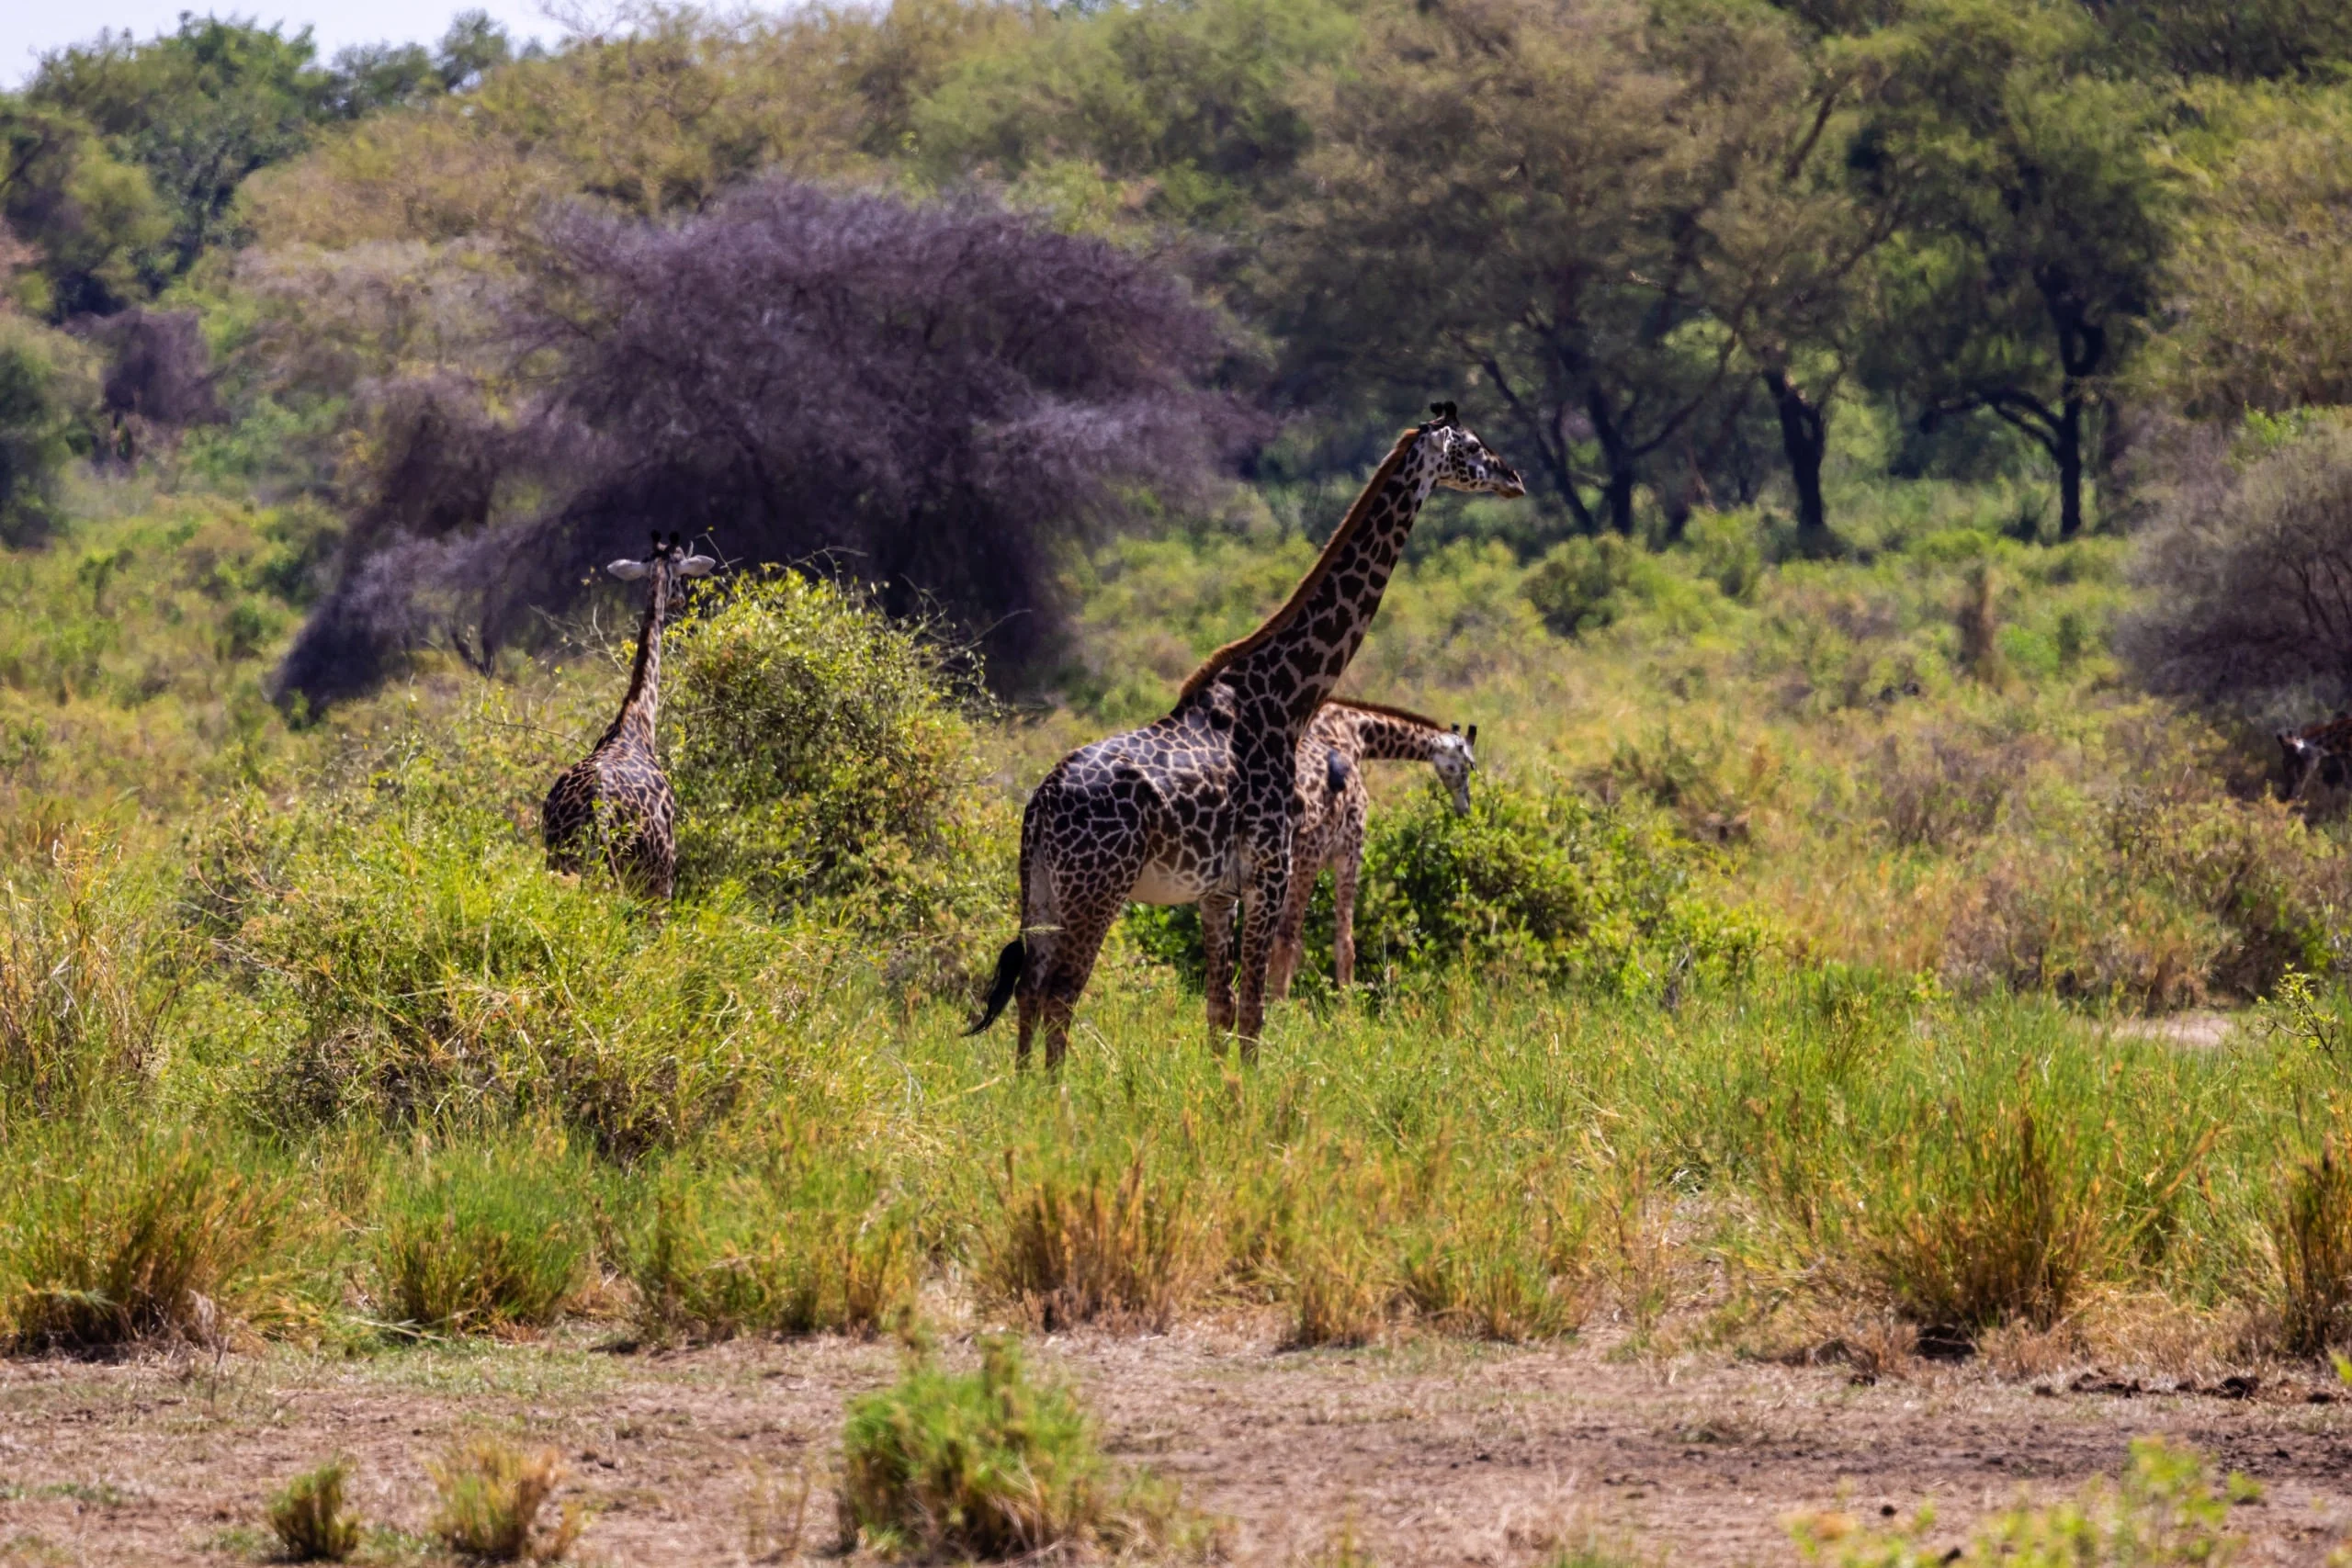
1544	883
823	753
482	1240
46	389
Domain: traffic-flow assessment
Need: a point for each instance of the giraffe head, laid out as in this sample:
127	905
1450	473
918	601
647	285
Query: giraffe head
1452	754
1464	462
671	557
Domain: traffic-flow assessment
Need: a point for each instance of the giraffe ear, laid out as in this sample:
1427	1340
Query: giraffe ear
1472	738
626	571
696	566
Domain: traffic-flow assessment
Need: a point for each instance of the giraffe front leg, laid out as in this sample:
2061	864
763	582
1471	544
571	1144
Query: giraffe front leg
1261	908
1217	948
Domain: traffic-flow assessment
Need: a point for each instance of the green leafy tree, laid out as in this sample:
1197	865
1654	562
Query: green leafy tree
198	110
2034	232
1532	192
86	216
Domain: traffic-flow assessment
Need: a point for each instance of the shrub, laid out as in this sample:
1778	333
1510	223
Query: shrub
480	1241
979	1464
47	389
1581	585
489	1497
86	981
1973	1218
2247	573
821	752
2166	1512
819	1245
308	1516
1091	1243
1544	883
107	1241
2310	1226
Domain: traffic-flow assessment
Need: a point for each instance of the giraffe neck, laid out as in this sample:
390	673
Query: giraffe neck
643	703
1289	667
1387	738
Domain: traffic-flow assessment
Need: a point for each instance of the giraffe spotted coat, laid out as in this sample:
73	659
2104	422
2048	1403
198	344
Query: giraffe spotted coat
1201	805
616	802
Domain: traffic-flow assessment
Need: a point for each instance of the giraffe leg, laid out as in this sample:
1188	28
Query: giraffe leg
1343	915
1217	947
1075	947
1283	967
1260	908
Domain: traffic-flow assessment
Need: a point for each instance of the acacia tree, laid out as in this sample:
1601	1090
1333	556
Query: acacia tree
938	401
2034	237
1529	190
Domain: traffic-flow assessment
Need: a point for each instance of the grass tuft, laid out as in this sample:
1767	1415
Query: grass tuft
308	1516
491	1496
134	1240
980	1464
484	1242
1131	1249
2312	1228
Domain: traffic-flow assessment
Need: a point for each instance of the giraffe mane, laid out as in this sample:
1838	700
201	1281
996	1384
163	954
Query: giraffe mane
1385	711
1216	664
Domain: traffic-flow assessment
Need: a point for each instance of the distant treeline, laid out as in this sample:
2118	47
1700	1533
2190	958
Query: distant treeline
1651	249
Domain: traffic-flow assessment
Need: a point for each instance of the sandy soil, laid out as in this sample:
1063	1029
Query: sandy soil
1427	1453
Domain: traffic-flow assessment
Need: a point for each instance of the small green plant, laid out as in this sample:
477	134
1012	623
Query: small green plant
481	1242
985	1464
2166	1512
309	1519
490	1498
1582	585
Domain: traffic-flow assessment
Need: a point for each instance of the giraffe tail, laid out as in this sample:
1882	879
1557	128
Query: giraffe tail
1009	965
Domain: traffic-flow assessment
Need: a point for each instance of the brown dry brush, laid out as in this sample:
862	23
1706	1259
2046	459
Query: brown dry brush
936	399
1131	1248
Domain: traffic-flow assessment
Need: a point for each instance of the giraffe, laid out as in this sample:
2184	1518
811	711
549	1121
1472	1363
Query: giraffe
1201	804
1334	804
2317	752
618	794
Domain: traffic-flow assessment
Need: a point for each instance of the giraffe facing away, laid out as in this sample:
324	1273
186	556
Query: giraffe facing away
1335	806
1200	806
616	800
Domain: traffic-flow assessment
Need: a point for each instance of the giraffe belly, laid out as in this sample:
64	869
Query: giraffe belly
1170	884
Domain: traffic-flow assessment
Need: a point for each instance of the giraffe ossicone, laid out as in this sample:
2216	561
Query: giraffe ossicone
1201	805
616	802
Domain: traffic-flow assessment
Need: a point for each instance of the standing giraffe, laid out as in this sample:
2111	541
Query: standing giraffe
618	795
1201	804
1335	804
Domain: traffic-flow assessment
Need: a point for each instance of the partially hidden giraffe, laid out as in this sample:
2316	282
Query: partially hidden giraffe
2321	752
1200	806
616	800
1335	806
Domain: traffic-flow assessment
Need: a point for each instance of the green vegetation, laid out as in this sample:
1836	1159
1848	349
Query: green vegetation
2166	1510
308	1516
987	1464
489	1497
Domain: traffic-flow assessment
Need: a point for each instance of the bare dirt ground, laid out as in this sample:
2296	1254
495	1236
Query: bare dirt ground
1427	1453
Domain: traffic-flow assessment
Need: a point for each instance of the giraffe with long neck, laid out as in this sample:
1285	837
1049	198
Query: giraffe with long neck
617	799
1335	808
1200	806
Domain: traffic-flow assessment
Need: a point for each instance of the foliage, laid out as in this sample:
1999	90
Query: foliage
2312	1228
821	752
982	1464
1086	1242
2248	571
801	1243
46	396
480	1243
148	1234
489	1497
87	217
308	1516
2166	1512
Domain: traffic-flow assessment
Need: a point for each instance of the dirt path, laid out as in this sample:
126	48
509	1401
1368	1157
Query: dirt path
1427	1454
